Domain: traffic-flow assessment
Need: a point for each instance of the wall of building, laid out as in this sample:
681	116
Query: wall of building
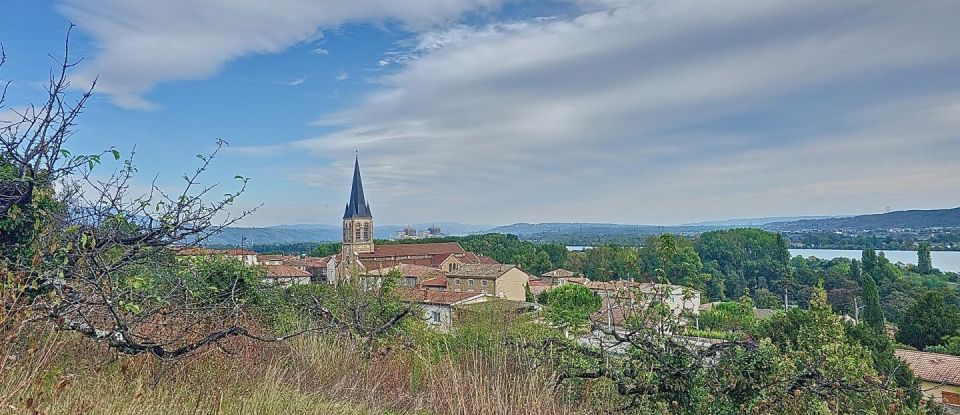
935	392
511	285
438	316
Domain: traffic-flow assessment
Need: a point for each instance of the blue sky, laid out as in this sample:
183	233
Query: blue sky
485	111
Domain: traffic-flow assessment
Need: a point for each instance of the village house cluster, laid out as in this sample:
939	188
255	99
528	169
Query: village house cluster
442	277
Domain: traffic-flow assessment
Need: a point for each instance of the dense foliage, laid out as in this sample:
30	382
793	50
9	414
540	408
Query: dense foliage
570	306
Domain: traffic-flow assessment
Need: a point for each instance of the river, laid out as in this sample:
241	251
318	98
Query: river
944	260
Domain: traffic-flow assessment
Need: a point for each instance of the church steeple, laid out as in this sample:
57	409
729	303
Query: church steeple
357	219
357	206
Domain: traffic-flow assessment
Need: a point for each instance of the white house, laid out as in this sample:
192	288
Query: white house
439	306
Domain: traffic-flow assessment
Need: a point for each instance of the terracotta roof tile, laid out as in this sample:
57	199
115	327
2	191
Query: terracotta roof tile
395	250
238	252
933	367
436	282
487	260
480	270
410	270
375	264
284	271
438	259
437	297
560	273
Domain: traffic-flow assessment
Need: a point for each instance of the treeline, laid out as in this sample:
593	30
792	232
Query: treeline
943	240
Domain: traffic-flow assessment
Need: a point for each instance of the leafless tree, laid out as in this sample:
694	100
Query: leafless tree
92	255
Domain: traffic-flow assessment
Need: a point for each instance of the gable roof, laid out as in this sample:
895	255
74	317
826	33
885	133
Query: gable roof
357	206
560	273
437	297
481	270
398	250
436	282
284	271
932	367
410	270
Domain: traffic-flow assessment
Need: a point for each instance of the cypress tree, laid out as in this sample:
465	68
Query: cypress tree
870	265
855	271
872	313
924	260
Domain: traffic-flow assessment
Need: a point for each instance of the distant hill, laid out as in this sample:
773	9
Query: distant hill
912	219
285	234
594	233
757	221
265	236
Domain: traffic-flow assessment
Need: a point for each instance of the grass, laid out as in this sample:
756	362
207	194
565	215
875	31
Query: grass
47	372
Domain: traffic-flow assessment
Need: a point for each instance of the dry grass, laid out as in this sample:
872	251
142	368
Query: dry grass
54	373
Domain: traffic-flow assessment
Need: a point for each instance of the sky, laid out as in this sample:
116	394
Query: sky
496	112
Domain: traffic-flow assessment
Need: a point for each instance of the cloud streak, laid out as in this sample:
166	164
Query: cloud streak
142	43
649	112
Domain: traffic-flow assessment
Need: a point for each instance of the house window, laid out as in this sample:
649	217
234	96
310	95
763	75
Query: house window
449	267
485	282
366	232
457	281
435	317
470	282
357	233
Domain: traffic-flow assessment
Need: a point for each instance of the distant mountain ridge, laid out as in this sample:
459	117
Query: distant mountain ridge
600	232
294	233
759	221
910	219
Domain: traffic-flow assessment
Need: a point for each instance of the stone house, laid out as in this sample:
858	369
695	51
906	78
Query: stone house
500	280
285	275
939	376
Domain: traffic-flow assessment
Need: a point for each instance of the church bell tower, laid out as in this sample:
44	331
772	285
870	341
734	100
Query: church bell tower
357	221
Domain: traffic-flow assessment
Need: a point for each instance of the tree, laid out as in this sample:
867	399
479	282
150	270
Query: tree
870	262
92	256
528	294
928	321
570	306
872	313
924	260
855	271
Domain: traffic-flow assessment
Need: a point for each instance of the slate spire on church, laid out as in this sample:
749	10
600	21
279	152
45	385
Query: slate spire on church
357	207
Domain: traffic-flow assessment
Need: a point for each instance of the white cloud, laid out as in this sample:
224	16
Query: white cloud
634	112
141	43
320	51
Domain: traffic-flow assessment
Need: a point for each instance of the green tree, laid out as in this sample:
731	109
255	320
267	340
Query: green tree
872	313
924	260
325	249
870	261
928	321
855	271
528	295
750	258
570	306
